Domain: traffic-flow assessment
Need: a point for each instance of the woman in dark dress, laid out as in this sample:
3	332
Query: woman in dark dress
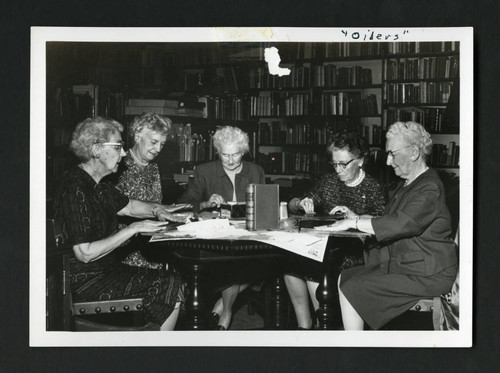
218	182
416	256
348	190
86	207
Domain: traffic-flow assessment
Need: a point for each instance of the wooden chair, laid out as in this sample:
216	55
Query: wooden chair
63	314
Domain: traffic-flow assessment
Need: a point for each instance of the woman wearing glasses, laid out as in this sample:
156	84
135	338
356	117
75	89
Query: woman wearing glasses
416	256
348	190
218	182
86	208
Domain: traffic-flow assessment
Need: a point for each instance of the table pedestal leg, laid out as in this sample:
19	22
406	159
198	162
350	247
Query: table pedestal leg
278	305
326	294
195	305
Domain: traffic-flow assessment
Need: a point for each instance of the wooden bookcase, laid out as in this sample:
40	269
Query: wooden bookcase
332	86
421	83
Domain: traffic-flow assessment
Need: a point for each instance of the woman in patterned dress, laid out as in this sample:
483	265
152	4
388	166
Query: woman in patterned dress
86	208
139	177
348	190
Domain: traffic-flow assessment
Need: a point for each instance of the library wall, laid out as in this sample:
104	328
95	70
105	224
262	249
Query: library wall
361	87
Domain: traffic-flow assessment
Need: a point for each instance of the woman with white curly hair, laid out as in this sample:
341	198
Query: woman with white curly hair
415	256
87	207
215	183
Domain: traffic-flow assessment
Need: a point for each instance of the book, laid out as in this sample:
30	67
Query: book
262	212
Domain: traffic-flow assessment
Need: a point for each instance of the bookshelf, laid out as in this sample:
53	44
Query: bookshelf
332	86
421	83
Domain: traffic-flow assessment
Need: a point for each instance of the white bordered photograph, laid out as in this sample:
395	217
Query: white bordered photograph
343	145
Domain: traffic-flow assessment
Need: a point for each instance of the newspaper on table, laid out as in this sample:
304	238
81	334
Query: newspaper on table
311	245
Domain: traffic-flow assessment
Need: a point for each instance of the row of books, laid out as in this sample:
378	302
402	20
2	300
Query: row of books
227	108
208	54
284	162
341	49
422	47
279	133
260	78
373	134
347	103
422	68
329	75
433	119
418	93
279	104
71	105
173	107
445	155
324	75
192	146
199	147
294	163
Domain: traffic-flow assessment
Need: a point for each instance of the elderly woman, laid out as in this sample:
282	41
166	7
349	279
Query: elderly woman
219	182
138	176
416	256
86	207
348	190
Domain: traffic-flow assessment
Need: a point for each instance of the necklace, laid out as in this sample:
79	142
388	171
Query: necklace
136	160
358	180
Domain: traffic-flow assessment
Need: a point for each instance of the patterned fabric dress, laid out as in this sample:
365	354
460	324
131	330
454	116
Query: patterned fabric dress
141	183
86	211
366	198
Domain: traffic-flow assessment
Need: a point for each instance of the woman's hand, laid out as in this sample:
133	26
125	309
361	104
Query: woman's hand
215	200
307	205
341	225
162	213
181	217
148	226
344	210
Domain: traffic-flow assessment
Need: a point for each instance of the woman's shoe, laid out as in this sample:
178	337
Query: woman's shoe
214	320
220	327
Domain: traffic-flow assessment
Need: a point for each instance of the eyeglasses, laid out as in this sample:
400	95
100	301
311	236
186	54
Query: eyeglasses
391	152
118	145
342	166
233	156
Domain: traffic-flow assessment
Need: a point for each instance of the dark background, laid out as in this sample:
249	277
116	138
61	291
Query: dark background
16	18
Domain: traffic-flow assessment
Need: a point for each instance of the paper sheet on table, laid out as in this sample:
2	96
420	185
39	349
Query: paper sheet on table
311	246
307	245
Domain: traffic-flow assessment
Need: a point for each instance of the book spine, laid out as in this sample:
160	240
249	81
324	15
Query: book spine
250	207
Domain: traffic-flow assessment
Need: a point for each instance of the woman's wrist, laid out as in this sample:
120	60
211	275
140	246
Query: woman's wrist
155	210
294	205
356	221
133	230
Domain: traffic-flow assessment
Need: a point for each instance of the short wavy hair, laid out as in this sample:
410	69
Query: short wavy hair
154	122
350	141
229	135
412	133
92	131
